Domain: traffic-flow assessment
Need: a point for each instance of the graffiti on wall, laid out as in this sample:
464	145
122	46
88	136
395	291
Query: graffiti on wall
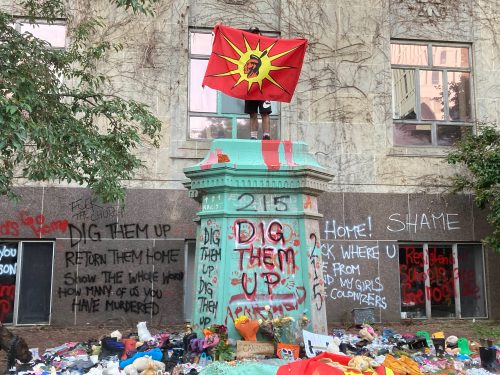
423	222
352	258
38	225
349	263
441	271
88	209
144	276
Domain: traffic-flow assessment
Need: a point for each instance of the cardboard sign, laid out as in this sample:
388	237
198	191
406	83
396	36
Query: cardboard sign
314	343
251	349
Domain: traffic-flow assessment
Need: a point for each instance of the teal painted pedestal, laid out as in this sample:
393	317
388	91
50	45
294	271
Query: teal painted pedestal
258	235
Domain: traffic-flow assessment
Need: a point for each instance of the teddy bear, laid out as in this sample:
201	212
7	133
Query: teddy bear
362	363
334	346
144	366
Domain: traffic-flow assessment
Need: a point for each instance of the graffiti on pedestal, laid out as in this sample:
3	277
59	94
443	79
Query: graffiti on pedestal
209	259
265	252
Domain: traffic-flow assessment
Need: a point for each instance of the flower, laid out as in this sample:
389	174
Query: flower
284	328
241	319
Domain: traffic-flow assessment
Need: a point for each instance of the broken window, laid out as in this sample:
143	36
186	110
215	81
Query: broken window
442	280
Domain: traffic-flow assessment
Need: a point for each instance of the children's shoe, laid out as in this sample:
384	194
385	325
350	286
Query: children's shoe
266	137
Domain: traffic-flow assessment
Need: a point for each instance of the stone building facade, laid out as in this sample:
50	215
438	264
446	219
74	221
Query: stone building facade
370	104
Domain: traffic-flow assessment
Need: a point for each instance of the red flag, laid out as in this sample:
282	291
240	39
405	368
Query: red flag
254	67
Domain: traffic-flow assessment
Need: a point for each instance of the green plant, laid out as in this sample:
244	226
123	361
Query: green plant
480	155
223	351
58	122
487	330
346	320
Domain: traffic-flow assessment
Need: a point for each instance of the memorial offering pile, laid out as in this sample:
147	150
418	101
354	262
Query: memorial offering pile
274	345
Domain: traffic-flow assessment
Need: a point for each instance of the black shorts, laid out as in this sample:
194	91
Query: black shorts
257	106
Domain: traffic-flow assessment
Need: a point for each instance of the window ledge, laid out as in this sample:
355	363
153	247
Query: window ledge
419	151
190	149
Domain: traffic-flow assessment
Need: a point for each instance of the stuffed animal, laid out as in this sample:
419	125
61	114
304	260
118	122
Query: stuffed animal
334	346
370	329
142	364
474	346
365	335
452	345
151	369
363	363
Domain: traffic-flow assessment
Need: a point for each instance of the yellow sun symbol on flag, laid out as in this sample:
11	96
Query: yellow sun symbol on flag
254	65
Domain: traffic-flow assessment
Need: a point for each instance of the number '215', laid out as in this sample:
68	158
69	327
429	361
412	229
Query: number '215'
249	202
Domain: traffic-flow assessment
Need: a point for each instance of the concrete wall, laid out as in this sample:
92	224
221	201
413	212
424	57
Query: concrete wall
101	250
342	105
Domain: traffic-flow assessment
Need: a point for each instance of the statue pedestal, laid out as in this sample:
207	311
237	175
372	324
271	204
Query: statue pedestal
258	235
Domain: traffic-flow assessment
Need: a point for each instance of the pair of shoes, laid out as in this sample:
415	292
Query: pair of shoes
253	138
266	137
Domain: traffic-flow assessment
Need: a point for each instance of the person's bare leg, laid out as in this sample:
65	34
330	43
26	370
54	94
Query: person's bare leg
266	125
254	125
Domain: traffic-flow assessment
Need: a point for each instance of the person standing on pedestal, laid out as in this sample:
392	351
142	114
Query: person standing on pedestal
252	107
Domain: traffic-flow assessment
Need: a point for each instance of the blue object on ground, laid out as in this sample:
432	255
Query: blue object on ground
155	354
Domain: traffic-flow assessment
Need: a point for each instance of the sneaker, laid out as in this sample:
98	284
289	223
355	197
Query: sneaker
253	138
266	137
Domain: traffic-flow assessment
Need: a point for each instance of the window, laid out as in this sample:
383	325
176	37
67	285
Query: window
431	93
213	114
54	34
442	281
26	281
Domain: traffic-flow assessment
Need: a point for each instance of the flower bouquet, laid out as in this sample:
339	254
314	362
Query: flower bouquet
247	328
222	351
283	329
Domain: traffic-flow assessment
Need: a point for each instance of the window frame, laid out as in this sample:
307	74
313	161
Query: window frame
457	295
59	22
19	275
234	117
444	70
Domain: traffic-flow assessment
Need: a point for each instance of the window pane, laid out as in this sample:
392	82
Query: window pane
450	56
412	134
201	99
232	105
201	43
412	280
54	34
243	131
448	135
403	94
409	54
471	278
431	95
8	280
209	127
459	102
442	282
